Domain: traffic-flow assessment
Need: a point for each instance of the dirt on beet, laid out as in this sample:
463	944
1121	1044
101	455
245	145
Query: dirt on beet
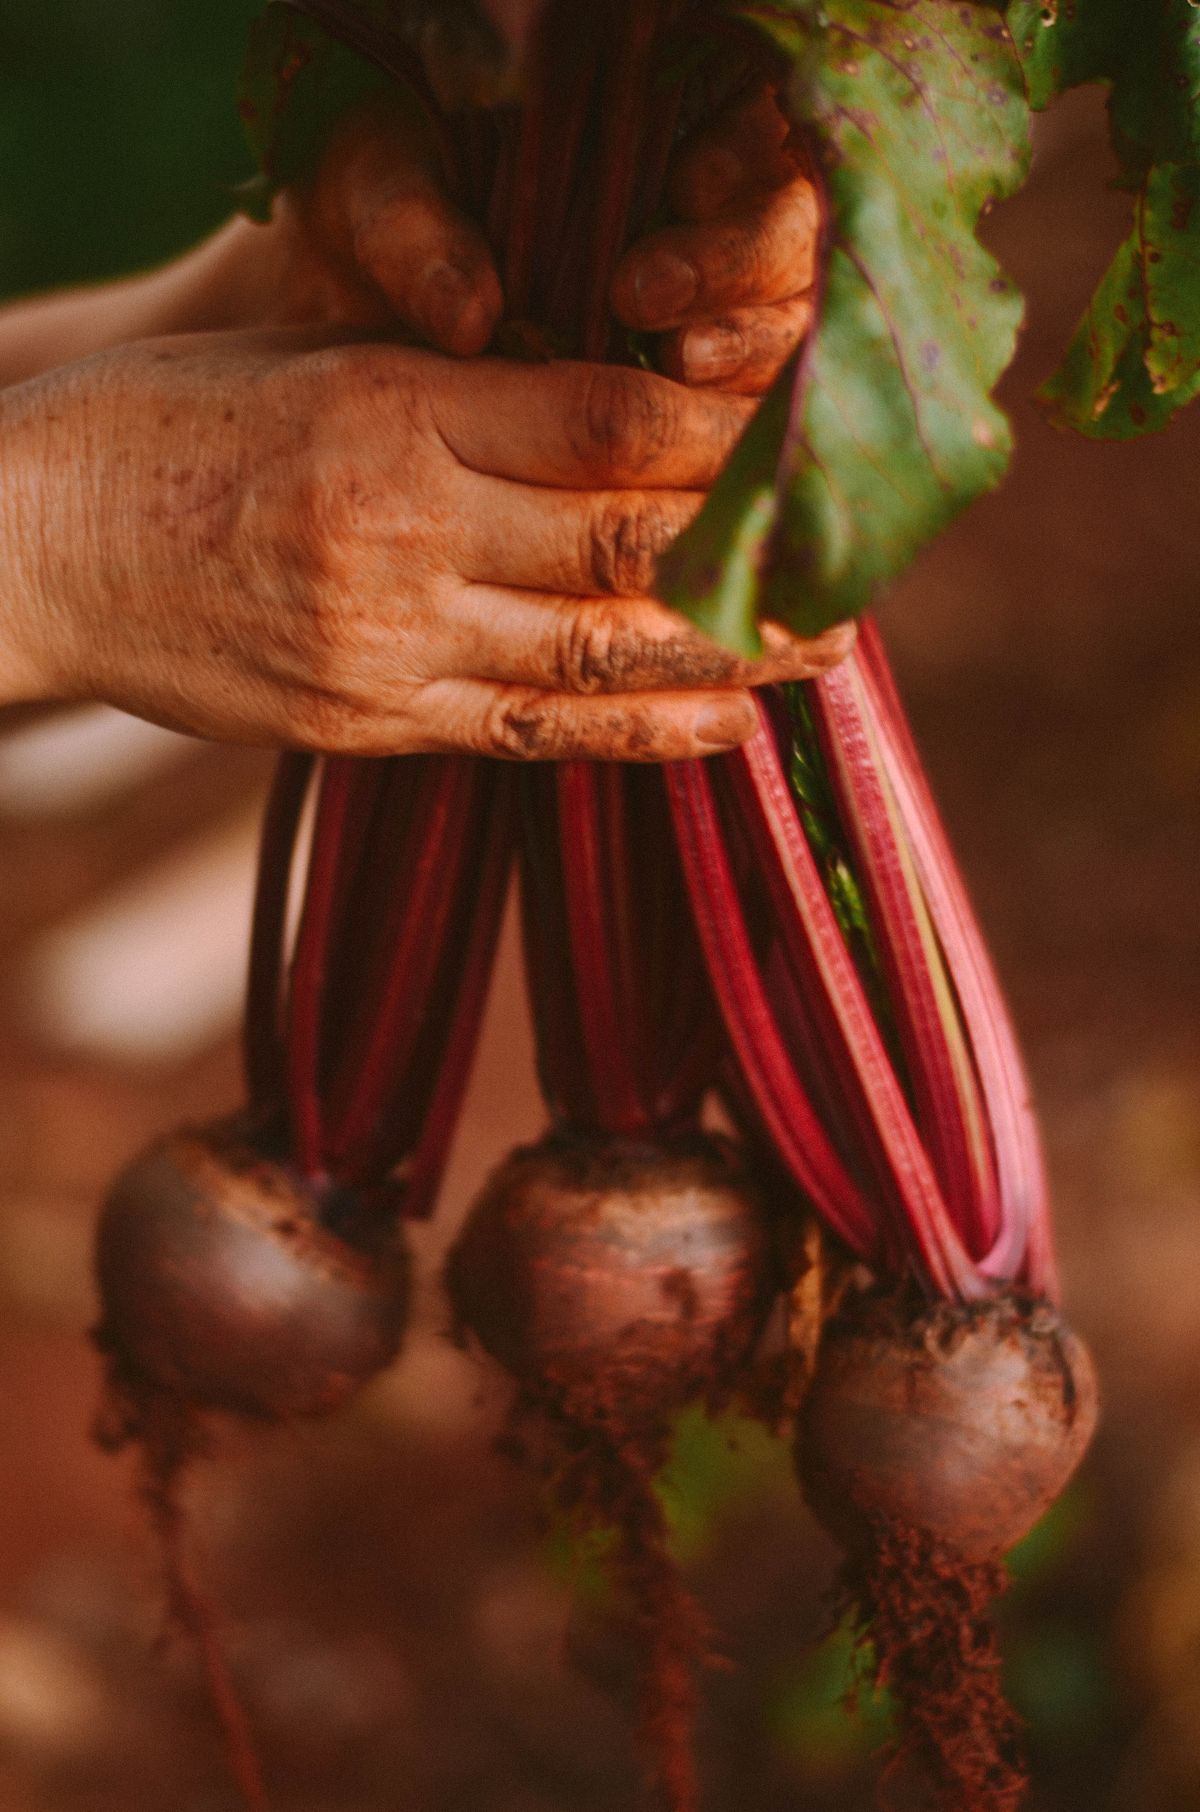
925	1622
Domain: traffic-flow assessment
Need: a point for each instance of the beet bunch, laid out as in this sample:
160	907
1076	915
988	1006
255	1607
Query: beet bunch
780	934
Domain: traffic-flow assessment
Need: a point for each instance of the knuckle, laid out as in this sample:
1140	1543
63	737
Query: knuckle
522	725
623	545
585	658
626	419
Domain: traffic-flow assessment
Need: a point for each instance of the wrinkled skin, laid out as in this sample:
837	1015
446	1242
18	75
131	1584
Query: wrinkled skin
287	539
242	551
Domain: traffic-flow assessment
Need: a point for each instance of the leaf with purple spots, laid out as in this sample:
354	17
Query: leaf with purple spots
917	119
1135	357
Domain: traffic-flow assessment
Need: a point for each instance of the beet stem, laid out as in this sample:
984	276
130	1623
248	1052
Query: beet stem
424	1171
770	1076
948	1109
429	901
1024	1244
310	968
816	940
263	1046
592	876
622	133
562	1065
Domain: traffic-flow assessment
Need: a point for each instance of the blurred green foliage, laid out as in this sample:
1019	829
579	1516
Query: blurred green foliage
119	137
717	1469
823	1715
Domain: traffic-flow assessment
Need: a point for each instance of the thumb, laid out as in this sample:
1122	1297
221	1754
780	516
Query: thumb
380	205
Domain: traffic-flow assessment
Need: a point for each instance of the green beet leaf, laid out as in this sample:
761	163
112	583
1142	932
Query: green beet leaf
918	118
1135	357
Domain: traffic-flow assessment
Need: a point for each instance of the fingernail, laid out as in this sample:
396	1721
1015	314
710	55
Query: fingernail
442	304
664	288
711	353
725	723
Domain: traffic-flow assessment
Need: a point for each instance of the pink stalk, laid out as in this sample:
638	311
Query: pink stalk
1024	1238
681	1035
357	913
770	1076
945	1089
448	1003
263	1042
806	923
628	1038
526	181
564	50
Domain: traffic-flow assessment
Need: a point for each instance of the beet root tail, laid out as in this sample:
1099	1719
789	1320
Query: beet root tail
924	1616
674	1635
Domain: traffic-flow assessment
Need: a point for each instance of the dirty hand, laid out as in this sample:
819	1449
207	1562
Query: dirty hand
375	242
288	539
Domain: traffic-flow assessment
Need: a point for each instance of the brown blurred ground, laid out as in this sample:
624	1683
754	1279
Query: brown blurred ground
399	1631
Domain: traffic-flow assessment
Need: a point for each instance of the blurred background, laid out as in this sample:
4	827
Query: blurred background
409	1634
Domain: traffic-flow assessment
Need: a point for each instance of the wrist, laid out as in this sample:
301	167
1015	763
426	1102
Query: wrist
27	614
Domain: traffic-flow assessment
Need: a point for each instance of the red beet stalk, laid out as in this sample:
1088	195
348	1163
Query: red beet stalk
402	902
930	1120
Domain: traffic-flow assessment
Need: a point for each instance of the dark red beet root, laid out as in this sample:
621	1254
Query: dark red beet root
932	1439
965	1422
223	1287
222	1290
621	1280
618	1282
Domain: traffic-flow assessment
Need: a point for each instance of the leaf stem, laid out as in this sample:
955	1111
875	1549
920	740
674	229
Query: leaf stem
762	1057
938	1062
1024	1246
310	968
263	1039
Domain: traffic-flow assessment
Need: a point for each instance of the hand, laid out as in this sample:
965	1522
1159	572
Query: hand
288	539
375	241
729	289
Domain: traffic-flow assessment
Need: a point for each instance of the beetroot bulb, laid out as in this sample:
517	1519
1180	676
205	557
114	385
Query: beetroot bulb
226	1287
621	1269
873	1058
256	1267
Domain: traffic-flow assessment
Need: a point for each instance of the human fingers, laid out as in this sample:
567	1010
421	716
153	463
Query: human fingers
762	251
577	426
521	723
587	646
741	352
557	592
582	544
381	201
